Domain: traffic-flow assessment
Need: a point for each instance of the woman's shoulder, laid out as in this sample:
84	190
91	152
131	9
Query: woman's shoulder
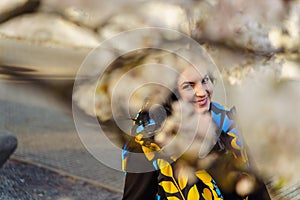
218	107
222	115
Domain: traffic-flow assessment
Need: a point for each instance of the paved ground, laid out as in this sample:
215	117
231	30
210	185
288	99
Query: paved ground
26	181
46	134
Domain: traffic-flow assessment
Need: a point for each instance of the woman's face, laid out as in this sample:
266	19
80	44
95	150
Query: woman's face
196	88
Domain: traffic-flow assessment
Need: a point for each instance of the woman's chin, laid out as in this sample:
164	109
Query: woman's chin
202	109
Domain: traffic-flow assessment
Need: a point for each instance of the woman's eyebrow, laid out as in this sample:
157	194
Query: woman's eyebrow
187	82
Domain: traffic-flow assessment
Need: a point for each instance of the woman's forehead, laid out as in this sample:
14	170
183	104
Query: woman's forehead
192	74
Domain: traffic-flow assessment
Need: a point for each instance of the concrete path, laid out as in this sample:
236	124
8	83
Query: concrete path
46	134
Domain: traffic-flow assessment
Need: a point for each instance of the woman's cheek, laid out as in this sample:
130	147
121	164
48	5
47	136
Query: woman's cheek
210	89
187	95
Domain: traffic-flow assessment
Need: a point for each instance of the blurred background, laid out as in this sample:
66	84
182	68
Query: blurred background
255	44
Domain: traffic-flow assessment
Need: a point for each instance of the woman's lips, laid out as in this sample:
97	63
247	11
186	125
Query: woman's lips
201	102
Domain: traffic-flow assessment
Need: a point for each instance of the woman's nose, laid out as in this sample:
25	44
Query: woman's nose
199	90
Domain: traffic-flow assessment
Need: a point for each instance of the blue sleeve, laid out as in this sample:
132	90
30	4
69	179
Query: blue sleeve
232	135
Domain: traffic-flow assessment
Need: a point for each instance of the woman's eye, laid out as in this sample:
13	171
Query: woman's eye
205	80
188	86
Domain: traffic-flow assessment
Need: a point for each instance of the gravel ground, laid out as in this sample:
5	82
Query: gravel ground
24	181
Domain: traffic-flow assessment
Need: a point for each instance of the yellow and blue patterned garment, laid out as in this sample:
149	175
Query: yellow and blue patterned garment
178	187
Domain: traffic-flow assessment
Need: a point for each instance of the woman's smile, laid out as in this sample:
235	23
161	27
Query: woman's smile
201	102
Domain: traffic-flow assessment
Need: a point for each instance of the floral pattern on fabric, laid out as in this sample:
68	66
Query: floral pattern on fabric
177	187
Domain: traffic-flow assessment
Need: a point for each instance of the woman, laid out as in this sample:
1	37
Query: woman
218	181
